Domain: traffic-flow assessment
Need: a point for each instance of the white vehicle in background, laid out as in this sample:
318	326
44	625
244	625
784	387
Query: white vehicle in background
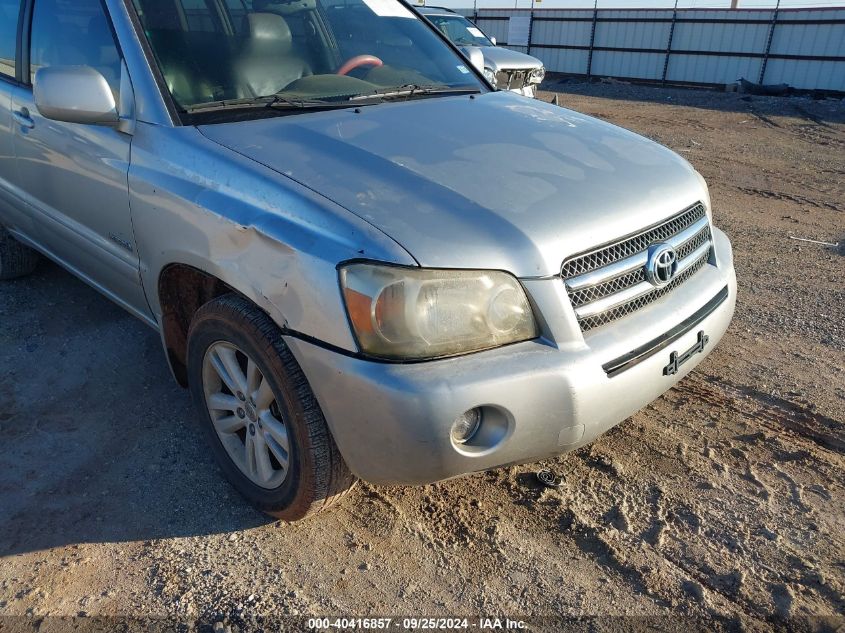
504	68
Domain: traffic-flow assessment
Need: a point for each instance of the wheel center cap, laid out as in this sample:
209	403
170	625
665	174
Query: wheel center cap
250	411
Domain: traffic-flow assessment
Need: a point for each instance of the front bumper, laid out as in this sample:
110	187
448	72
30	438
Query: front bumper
526	91
392	422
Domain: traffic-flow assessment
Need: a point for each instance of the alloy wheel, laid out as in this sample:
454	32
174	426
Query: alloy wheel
245	415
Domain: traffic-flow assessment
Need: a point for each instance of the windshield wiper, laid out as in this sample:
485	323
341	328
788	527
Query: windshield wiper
277	101
410	90
281	101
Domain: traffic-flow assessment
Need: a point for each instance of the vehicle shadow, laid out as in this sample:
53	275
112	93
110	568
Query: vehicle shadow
97	442
822	112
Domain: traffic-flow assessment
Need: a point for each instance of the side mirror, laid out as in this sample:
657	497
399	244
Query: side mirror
75	94
493	41
476	57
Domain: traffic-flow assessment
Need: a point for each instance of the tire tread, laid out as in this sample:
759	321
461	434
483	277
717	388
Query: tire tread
332	478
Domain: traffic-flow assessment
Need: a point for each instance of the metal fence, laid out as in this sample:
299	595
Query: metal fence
804	48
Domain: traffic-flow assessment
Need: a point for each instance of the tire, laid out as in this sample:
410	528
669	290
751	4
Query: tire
315	476
16	260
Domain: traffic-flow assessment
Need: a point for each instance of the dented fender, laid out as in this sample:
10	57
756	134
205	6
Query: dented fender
263	235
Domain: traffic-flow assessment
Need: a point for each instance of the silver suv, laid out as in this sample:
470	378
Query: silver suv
362	261
504	68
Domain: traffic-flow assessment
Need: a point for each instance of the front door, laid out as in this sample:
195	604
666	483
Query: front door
11	215
75	176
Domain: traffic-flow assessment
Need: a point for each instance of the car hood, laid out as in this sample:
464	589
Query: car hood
496	181
497	58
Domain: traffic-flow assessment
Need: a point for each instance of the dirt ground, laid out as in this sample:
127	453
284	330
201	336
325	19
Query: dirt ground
723	501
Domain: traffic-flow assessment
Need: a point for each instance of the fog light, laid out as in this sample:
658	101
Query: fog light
465	426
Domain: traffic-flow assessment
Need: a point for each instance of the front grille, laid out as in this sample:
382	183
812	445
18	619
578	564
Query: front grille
512	79
615	274
588	295
640	302
619	250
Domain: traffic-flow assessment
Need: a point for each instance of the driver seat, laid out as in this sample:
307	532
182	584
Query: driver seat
267	65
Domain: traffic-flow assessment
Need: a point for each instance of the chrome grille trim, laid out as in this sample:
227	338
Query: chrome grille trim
602	289
609	253
628	264
610	281
624	310
634	292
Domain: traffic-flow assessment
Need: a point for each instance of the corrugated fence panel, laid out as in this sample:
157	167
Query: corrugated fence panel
568	33
725	37
494	28
633	65
625	33
809	75
709	69
562	28
817	40
720	33
558	60
809	39
709	46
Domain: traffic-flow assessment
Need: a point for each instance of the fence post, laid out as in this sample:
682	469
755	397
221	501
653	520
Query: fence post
530	29
769	43
592	41
669	43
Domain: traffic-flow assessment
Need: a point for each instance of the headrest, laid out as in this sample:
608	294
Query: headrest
269	31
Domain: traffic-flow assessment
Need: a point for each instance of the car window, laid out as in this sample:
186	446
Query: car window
74	33
238	9
213	51
201	16
9	10
460	30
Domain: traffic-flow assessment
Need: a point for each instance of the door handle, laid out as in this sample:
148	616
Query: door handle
23	118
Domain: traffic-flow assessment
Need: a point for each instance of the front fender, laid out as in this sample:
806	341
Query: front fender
274	241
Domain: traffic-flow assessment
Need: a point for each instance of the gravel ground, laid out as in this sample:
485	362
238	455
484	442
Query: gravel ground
723	501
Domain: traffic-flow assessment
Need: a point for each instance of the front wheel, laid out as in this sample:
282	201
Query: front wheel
259	414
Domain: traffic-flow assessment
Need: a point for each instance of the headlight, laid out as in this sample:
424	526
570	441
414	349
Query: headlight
490	76
537	75
413	313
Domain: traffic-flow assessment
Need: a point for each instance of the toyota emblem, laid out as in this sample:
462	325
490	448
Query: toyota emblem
662	264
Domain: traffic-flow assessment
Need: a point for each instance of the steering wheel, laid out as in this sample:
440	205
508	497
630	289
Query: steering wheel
357	61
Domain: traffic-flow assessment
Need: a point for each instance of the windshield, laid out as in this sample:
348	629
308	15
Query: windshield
461	31
302	52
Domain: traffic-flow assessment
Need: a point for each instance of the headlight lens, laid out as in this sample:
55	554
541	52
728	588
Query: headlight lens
413	313
490	76
537	75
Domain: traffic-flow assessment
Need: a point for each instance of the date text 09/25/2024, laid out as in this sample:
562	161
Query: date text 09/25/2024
417	624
